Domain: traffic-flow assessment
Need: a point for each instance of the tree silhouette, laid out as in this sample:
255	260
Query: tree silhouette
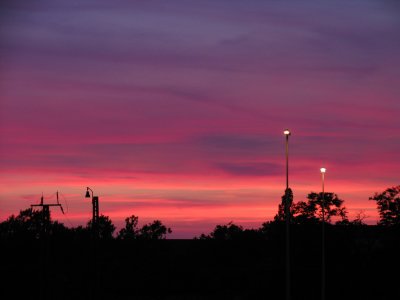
105	227
310	211
226	232
281	208
232	231
388	206
154	231
28	224
360	217
130	231
358	221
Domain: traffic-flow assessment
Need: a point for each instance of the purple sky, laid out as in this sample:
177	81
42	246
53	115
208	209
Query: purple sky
175	109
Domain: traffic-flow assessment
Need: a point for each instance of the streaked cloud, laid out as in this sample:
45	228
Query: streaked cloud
178	108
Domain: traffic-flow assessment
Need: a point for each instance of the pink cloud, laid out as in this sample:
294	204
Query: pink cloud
176	111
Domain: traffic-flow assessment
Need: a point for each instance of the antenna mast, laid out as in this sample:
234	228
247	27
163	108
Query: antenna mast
46	212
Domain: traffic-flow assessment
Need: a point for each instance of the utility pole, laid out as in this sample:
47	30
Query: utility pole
46	212
43	236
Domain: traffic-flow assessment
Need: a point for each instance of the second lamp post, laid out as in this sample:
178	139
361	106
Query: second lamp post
323	171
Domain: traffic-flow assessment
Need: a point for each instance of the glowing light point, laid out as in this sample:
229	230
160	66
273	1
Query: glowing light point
286	132
323	170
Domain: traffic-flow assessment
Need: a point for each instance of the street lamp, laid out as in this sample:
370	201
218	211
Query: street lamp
95	205
323	171
95	235
287	133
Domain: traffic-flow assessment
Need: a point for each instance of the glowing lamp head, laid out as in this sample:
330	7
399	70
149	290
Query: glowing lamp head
323	170
286	132
87	194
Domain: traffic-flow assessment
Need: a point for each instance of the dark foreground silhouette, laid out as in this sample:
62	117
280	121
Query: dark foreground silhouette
43	259
362	263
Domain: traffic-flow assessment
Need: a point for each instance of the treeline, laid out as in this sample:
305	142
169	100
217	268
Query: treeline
318	207
29	224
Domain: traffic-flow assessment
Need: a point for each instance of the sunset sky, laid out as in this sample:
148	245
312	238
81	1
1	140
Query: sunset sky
175	110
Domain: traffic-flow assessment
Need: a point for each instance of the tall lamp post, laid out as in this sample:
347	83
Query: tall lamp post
95	205
287	217
323	171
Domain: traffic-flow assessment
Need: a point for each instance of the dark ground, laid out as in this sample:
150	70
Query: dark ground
362	263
